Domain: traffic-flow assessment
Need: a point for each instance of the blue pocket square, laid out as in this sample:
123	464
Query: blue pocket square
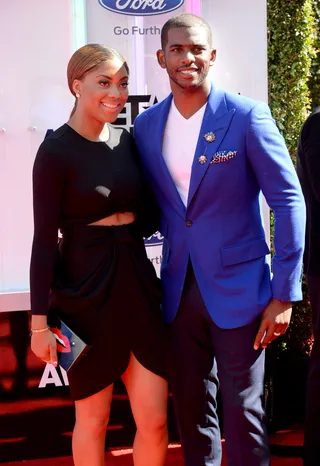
223	156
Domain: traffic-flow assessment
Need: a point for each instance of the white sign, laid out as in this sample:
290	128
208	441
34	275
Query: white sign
240	38
44	101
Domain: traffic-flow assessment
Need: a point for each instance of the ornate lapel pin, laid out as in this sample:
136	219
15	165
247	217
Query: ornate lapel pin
223	156
202	159
210	137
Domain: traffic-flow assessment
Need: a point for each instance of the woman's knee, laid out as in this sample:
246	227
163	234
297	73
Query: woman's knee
152	424
92	424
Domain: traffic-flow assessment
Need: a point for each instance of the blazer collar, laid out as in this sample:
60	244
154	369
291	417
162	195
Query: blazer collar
217	118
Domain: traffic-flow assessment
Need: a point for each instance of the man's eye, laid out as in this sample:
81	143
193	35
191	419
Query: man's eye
176	49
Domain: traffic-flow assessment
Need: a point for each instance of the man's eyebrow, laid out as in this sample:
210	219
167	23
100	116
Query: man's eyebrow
186	45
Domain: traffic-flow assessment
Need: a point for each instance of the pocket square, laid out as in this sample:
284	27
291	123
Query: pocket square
223	156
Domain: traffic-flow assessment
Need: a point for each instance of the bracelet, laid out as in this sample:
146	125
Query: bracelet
39	330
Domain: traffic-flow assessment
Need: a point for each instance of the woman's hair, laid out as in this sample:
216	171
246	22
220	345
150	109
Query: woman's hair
86	59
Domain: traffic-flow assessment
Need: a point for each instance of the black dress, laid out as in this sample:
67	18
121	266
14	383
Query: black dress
99	279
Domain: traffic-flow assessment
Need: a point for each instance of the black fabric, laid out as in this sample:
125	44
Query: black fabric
77	182
312	425
203	356
98	280
107	291
308	169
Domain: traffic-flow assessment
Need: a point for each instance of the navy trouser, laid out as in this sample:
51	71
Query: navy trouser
200	352
312	423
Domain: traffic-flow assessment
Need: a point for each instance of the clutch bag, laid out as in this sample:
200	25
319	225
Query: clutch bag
70	347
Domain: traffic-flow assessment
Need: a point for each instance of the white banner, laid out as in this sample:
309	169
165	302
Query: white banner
48	33
133	28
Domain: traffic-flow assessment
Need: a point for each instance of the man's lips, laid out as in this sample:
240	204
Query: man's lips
188	71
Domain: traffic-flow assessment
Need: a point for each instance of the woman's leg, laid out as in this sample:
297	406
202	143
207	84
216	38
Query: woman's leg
148	394
92	416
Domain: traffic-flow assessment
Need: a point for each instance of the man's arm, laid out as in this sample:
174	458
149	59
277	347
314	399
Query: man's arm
275	173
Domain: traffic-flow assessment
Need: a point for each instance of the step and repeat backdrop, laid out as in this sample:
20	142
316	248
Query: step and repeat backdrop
36	415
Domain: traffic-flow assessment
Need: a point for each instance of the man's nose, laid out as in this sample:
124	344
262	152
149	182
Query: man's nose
188	57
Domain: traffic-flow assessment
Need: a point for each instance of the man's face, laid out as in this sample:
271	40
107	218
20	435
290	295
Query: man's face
187	57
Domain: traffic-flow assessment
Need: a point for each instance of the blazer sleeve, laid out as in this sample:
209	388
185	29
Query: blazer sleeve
311	150
275	173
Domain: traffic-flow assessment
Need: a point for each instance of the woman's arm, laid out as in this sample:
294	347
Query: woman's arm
48	185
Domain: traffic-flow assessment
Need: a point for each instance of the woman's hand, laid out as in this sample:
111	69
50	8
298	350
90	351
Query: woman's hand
44	346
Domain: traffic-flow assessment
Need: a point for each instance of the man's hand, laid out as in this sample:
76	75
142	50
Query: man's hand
274	322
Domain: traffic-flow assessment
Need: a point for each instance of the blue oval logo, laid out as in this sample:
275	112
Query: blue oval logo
141	7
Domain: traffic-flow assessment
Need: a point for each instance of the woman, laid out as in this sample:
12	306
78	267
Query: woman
88	183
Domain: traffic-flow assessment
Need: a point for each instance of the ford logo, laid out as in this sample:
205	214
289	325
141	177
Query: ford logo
154	240
141	7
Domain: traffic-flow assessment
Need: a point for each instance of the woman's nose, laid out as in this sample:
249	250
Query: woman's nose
114	92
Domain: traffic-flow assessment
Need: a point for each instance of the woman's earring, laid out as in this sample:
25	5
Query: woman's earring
77	95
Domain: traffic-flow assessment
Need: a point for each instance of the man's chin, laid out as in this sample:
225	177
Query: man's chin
192	85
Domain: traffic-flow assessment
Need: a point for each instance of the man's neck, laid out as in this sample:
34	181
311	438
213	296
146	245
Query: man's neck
189	101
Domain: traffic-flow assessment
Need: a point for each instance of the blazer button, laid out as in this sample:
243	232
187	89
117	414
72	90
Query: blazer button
188	223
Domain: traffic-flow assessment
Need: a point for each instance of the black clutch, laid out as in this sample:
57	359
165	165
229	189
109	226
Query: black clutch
70	347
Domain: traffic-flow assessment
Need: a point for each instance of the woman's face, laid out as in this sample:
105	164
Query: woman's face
103	91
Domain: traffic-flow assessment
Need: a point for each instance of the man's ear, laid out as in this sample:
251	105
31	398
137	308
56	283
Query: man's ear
161	60
213	57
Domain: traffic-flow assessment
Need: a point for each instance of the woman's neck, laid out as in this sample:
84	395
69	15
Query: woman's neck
89	128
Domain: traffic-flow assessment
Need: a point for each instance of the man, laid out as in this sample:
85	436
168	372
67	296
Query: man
210	155
308	168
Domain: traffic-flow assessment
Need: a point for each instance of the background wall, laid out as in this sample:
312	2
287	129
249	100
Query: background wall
37	41
38	38
34	97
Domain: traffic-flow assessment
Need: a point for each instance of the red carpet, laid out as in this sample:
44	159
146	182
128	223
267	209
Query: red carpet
288	442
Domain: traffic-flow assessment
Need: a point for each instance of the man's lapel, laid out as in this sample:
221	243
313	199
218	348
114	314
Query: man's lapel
161	171
216	120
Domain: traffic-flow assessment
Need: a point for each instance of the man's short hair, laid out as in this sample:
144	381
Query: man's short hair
184	20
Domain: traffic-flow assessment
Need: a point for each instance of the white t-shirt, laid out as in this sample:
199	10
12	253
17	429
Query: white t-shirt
179	145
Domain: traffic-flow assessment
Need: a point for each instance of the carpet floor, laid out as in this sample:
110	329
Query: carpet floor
286	448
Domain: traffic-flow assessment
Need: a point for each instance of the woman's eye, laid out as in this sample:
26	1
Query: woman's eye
103	83
124	85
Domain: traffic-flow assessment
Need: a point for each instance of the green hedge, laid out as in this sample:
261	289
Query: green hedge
314	82
291	52
291	37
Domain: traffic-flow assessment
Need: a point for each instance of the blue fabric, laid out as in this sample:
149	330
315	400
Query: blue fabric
221	229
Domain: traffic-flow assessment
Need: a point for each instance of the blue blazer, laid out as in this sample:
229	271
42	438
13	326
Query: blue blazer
221	229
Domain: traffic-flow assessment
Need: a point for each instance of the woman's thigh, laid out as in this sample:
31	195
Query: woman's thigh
95	408
148	394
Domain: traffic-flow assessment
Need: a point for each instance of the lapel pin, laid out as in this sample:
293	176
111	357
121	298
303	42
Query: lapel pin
210	137
202	159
